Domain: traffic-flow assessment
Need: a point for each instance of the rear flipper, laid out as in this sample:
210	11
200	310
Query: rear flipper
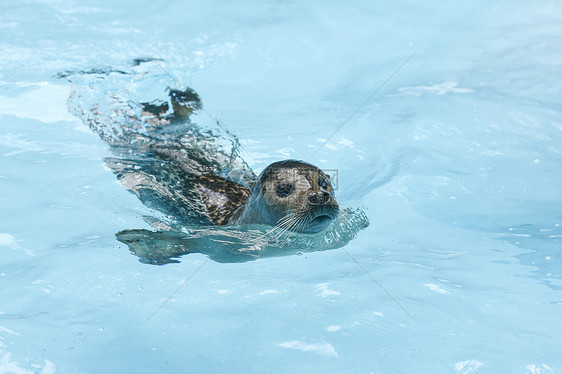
184	102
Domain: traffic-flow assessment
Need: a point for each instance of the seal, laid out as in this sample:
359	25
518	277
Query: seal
291	195
196	176
191	171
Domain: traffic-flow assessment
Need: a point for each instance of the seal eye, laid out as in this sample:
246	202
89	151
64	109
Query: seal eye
322	182
284	189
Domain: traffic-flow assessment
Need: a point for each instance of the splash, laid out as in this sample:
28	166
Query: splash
239	244
156	155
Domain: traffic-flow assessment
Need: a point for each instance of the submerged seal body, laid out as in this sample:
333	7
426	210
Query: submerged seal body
291	195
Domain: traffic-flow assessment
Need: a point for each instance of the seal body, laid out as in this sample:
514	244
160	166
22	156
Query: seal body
221	197
291	195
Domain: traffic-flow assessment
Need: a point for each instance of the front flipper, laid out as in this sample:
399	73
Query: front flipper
221	197
165	247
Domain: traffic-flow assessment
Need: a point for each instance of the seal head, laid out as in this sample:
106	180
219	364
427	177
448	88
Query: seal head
292	195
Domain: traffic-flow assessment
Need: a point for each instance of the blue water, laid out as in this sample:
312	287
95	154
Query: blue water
456	160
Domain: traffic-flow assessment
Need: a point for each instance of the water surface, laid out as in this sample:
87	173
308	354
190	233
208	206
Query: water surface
455	160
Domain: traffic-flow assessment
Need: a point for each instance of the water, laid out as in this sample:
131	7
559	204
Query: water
456	162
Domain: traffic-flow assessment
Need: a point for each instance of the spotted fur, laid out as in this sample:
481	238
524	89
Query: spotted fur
221	197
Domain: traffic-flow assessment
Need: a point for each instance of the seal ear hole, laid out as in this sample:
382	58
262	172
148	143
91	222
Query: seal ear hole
284	189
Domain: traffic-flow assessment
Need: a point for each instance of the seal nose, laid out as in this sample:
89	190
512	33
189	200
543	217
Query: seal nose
319	198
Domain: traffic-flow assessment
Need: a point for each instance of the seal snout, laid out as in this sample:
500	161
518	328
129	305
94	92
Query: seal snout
319	198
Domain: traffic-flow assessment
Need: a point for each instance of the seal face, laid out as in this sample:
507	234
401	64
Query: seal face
292	195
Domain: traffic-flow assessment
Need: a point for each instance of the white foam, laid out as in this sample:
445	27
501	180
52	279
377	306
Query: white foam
435	288
267	292
323	349
324	291
538	369
19	145
8	365
4	329
468	366
434	89
7	240
287	152
346	143
45	103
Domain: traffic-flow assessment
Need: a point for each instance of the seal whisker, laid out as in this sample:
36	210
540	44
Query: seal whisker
288	219
291	230
264	235
294	224
303	217
284	224
285	220
306	217
283	230
290	225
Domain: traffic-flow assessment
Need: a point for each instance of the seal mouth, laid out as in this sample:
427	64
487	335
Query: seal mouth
318	223
322	219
